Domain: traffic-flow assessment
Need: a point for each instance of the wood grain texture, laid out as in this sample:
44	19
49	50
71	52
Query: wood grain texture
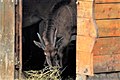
7	41
108	11
84	9
108	28
106	55
105	76
86	34
86	27
84	63
107	46
85	0
106	1
106	63
85	44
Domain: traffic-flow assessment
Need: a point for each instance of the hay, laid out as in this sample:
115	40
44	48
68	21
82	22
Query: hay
48	73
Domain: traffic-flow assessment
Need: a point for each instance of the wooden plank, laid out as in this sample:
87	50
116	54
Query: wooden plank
84	9
107	46
85	44
106	63
85	0
107	11
84	60
20	38
0	19
86	34
81	77
84	63
116	62
7	41
108	28
106	1
86	27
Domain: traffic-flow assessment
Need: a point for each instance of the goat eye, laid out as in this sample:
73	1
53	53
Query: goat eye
45	53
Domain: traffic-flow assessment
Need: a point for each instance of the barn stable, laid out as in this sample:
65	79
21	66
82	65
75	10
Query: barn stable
94	55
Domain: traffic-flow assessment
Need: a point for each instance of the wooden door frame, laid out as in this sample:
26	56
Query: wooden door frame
7	39
18	39
93	35
86	37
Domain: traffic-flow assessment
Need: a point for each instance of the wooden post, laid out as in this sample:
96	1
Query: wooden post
7	26
86	36
18	40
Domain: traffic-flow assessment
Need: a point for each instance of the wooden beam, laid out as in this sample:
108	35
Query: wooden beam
85	27
106	1
84	43
108	27
86	35
7	40
84	9
103	11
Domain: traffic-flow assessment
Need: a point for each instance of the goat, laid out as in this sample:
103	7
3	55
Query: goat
56	35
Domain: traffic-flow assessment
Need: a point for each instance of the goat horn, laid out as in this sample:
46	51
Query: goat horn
38	44
55	37
41	40
59	42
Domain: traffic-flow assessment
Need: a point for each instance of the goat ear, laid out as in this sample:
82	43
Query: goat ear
38	44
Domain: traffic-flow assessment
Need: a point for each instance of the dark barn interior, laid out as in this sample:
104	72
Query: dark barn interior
34	12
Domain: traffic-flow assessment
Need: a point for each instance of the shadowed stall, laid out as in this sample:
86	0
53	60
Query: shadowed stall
35	16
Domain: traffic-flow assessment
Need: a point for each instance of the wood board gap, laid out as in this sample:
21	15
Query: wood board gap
108	19
107	3
108	36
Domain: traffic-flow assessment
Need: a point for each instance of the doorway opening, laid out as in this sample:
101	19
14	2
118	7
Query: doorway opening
34	15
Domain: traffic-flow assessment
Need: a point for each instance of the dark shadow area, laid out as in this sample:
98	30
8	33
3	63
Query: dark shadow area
33	57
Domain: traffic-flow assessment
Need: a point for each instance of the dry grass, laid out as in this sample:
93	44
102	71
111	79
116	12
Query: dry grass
48	73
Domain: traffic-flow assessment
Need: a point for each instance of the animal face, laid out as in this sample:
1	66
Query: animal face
50	50
52	57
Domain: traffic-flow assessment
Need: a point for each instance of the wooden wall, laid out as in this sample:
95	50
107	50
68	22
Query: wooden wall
7	40
107	47
106	50
86	36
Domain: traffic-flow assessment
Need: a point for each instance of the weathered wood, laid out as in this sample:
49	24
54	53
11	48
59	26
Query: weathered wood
0	20
105	76
106	54
81	77
85	0
86	33
85	27
84	62
84	9
7	41
107	49
20	38
106	63
108	28
85	44
106	1
107	46
103	11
